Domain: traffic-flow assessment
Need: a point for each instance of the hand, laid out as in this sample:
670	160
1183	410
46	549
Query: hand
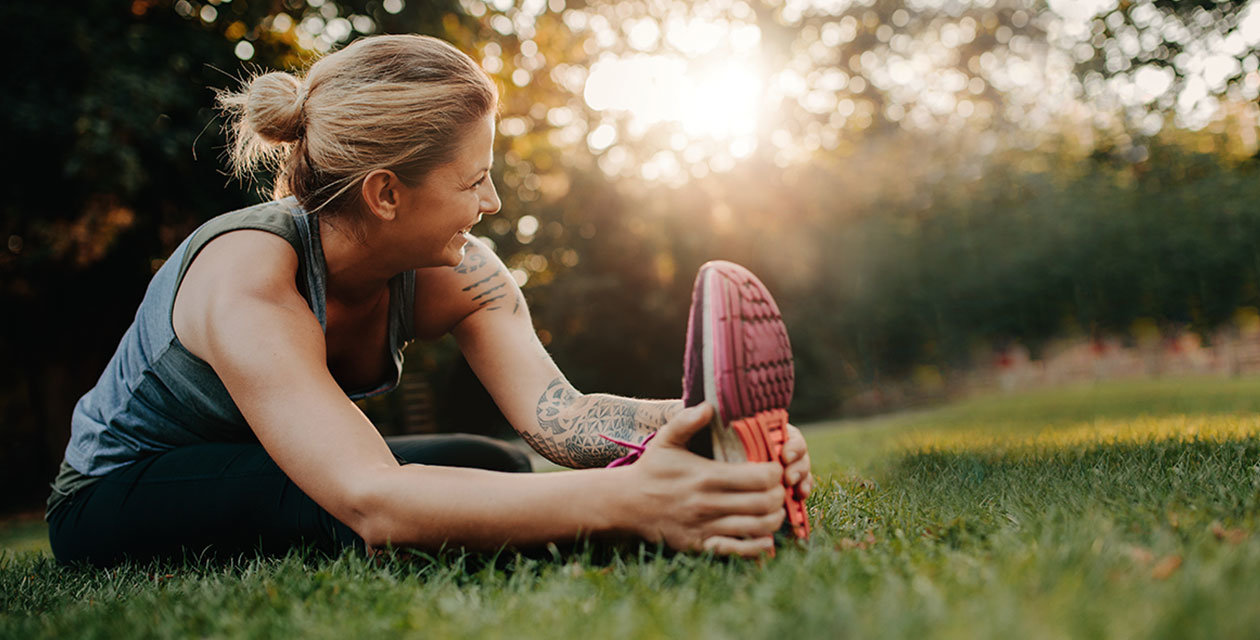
795	459
693	503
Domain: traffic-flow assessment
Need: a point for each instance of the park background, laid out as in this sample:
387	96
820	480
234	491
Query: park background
942	194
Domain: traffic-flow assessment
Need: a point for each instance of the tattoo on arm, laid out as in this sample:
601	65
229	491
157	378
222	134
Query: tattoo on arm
486	283
473	261
570	424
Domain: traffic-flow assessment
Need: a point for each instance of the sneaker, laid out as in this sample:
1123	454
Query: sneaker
738	358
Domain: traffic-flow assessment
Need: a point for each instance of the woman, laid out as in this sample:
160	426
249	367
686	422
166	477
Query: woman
225	421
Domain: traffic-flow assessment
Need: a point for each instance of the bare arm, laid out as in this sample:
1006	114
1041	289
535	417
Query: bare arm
492	324
239	310
570	424
484	308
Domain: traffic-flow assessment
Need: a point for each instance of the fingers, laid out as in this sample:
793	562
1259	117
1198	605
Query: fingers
794	448
727	546
796	463
797	471
678	431
748	503
747	526
748	476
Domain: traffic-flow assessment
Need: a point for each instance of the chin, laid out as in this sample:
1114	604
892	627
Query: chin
454	254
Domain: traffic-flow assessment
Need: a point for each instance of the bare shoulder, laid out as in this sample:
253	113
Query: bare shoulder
445	296
234	271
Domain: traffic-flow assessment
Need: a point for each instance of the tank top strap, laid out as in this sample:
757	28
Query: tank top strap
312	250
284	218
288	220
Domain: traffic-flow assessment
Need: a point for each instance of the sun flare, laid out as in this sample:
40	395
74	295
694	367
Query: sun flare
718	102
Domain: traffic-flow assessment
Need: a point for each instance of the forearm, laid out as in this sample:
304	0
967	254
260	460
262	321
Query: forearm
570	424
427	506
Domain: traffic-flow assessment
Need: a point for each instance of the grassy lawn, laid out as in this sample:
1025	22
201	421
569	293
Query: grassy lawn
1122	510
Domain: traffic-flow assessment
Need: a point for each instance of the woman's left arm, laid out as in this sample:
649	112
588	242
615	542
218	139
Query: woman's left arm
571	424
483	307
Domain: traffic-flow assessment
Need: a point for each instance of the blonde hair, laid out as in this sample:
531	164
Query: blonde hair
398	102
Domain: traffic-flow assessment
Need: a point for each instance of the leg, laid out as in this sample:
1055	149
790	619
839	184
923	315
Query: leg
221	498
459	450
228	499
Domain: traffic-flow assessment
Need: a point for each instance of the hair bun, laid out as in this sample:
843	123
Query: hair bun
273	107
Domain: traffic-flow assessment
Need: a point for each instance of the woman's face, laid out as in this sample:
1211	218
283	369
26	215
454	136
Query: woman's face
438	213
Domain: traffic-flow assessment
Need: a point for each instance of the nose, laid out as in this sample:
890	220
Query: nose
490	202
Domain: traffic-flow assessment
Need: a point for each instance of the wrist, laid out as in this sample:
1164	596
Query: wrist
675	407
614	507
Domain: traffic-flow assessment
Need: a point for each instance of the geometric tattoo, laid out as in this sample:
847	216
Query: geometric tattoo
570	424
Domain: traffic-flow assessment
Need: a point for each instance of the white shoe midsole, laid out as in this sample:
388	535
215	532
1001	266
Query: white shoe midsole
726	444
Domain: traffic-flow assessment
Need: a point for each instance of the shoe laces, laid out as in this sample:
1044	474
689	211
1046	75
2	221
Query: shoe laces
636	450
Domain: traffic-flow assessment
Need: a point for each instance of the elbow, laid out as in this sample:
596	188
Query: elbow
376	531
367	513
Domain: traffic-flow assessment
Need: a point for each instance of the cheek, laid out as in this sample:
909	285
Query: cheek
459	208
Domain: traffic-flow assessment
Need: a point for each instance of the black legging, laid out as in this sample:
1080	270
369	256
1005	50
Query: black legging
225	499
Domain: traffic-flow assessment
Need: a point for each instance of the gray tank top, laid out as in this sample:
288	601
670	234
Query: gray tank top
155	395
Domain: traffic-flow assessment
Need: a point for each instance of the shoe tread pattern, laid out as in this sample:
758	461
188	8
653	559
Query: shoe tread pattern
760	376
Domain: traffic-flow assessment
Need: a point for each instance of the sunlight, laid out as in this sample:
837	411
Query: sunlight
1096	432
723	102
717	101
1080	11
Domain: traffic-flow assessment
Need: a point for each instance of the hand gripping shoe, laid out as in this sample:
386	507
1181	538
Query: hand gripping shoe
738	358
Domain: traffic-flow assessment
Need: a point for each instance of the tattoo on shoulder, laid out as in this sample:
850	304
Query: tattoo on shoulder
487	284
473	261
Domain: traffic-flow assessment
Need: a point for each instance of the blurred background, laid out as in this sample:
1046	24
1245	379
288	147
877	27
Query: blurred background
944	195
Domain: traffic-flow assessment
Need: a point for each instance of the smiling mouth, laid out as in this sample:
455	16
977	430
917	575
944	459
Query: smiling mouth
468	230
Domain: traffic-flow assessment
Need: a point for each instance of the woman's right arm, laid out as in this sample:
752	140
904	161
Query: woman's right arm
239	310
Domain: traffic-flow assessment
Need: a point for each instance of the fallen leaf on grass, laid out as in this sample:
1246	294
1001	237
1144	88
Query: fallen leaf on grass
1166	567
1232	536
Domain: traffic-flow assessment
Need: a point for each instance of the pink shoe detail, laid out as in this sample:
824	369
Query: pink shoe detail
738	357
636	450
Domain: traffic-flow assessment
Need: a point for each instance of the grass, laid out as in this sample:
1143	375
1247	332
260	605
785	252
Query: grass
1122	510
25	533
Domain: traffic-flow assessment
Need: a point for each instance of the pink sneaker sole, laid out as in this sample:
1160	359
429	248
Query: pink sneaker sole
738	358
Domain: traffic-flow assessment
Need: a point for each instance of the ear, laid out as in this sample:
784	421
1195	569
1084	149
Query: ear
382	193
